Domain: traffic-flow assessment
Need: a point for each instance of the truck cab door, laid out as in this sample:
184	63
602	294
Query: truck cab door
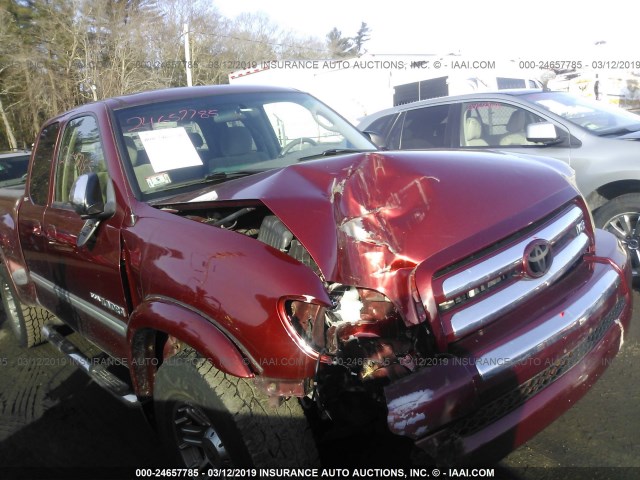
86	279
31	214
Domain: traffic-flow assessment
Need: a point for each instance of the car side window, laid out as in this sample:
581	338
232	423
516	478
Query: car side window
80	152
495	124
43	156
383	125
425	128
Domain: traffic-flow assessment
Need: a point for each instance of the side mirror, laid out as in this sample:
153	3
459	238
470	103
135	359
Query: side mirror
86	196
88	202
376	139
543	132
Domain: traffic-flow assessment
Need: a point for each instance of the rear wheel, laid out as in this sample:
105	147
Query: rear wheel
621	216
26	322
210	419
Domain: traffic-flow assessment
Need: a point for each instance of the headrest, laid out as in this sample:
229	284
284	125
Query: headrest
237	141
516	122
473	129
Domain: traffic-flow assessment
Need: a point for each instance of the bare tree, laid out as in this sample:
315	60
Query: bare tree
56	55
338	45
362	36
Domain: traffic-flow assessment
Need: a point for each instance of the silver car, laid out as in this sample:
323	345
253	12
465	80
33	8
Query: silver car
600	142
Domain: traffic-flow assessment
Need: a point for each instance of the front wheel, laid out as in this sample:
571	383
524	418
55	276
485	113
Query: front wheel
621	216
210	419
25	321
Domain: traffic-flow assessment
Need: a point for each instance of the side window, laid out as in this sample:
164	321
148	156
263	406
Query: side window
39	182
382	125
425	128
506	83
495	124
296	127
80	152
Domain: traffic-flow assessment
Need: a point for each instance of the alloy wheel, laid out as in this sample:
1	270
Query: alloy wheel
626	226
199	443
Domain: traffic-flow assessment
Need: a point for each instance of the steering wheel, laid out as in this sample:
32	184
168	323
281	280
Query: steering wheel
298	142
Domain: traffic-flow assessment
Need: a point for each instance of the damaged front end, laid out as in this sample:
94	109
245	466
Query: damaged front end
363	344
427	316
444	332
361	339
374	331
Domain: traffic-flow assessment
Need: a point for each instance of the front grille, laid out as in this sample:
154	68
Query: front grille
511	400
479	292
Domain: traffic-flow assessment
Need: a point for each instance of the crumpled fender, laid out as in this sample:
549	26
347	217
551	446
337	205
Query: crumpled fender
190	327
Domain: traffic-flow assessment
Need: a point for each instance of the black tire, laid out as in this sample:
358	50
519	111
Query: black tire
25	321
207	418
621	216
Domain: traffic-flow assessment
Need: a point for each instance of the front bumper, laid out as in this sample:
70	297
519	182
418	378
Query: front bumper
495	394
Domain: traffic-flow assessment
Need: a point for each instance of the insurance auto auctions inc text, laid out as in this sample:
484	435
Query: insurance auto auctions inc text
368	64
368	473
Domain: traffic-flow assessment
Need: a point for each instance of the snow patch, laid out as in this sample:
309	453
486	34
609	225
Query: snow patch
402	411
411	400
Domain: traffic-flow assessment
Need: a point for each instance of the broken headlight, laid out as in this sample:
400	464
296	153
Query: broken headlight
362	331
356	313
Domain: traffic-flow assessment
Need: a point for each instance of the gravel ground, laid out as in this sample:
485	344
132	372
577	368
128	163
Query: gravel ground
53	417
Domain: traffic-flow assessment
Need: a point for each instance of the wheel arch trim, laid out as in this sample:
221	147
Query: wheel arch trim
161	315
611	190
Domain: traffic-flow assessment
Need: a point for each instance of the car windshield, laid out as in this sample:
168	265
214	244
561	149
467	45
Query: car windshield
173	145
597	117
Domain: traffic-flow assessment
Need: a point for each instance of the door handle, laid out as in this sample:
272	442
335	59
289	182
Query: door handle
36	229
59	238
51	233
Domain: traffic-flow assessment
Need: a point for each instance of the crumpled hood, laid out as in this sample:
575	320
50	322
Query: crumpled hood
365	216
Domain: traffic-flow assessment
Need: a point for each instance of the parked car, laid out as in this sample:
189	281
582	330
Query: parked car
254	261
600	142
13	167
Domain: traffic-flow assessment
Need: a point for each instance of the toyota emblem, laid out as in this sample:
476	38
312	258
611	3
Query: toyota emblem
537	258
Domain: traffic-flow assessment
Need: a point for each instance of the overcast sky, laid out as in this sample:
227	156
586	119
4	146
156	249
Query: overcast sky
542	28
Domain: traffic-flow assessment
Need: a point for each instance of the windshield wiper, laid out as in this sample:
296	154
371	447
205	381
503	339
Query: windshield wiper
333	151
219	177
215	177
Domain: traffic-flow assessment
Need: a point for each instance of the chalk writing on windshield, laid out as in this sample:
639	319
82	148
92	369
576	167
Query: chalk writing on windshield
146	122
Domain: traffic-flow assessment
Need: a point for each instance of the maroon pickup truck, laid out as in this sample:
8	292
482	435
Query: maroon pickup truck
253	261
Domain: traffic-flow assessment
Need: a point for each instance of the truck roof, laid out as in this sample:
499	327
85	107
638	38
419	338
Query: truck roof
181	93
169	94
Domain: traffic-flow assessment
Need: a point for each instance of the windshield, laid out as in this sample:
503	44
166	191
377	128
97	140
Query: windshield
597	117
173	145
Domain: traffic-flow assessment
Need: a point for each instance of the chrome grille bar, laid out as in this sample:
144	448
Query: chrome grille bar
549	332
509	259
497	304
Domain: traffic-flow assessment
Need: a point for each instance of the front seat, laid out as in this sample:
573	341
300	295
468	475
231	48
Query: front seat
236	146
473	133
516	127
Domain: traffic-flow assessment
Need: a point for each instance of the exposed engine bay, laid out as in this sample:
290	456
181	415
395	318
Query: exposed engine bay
362	340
